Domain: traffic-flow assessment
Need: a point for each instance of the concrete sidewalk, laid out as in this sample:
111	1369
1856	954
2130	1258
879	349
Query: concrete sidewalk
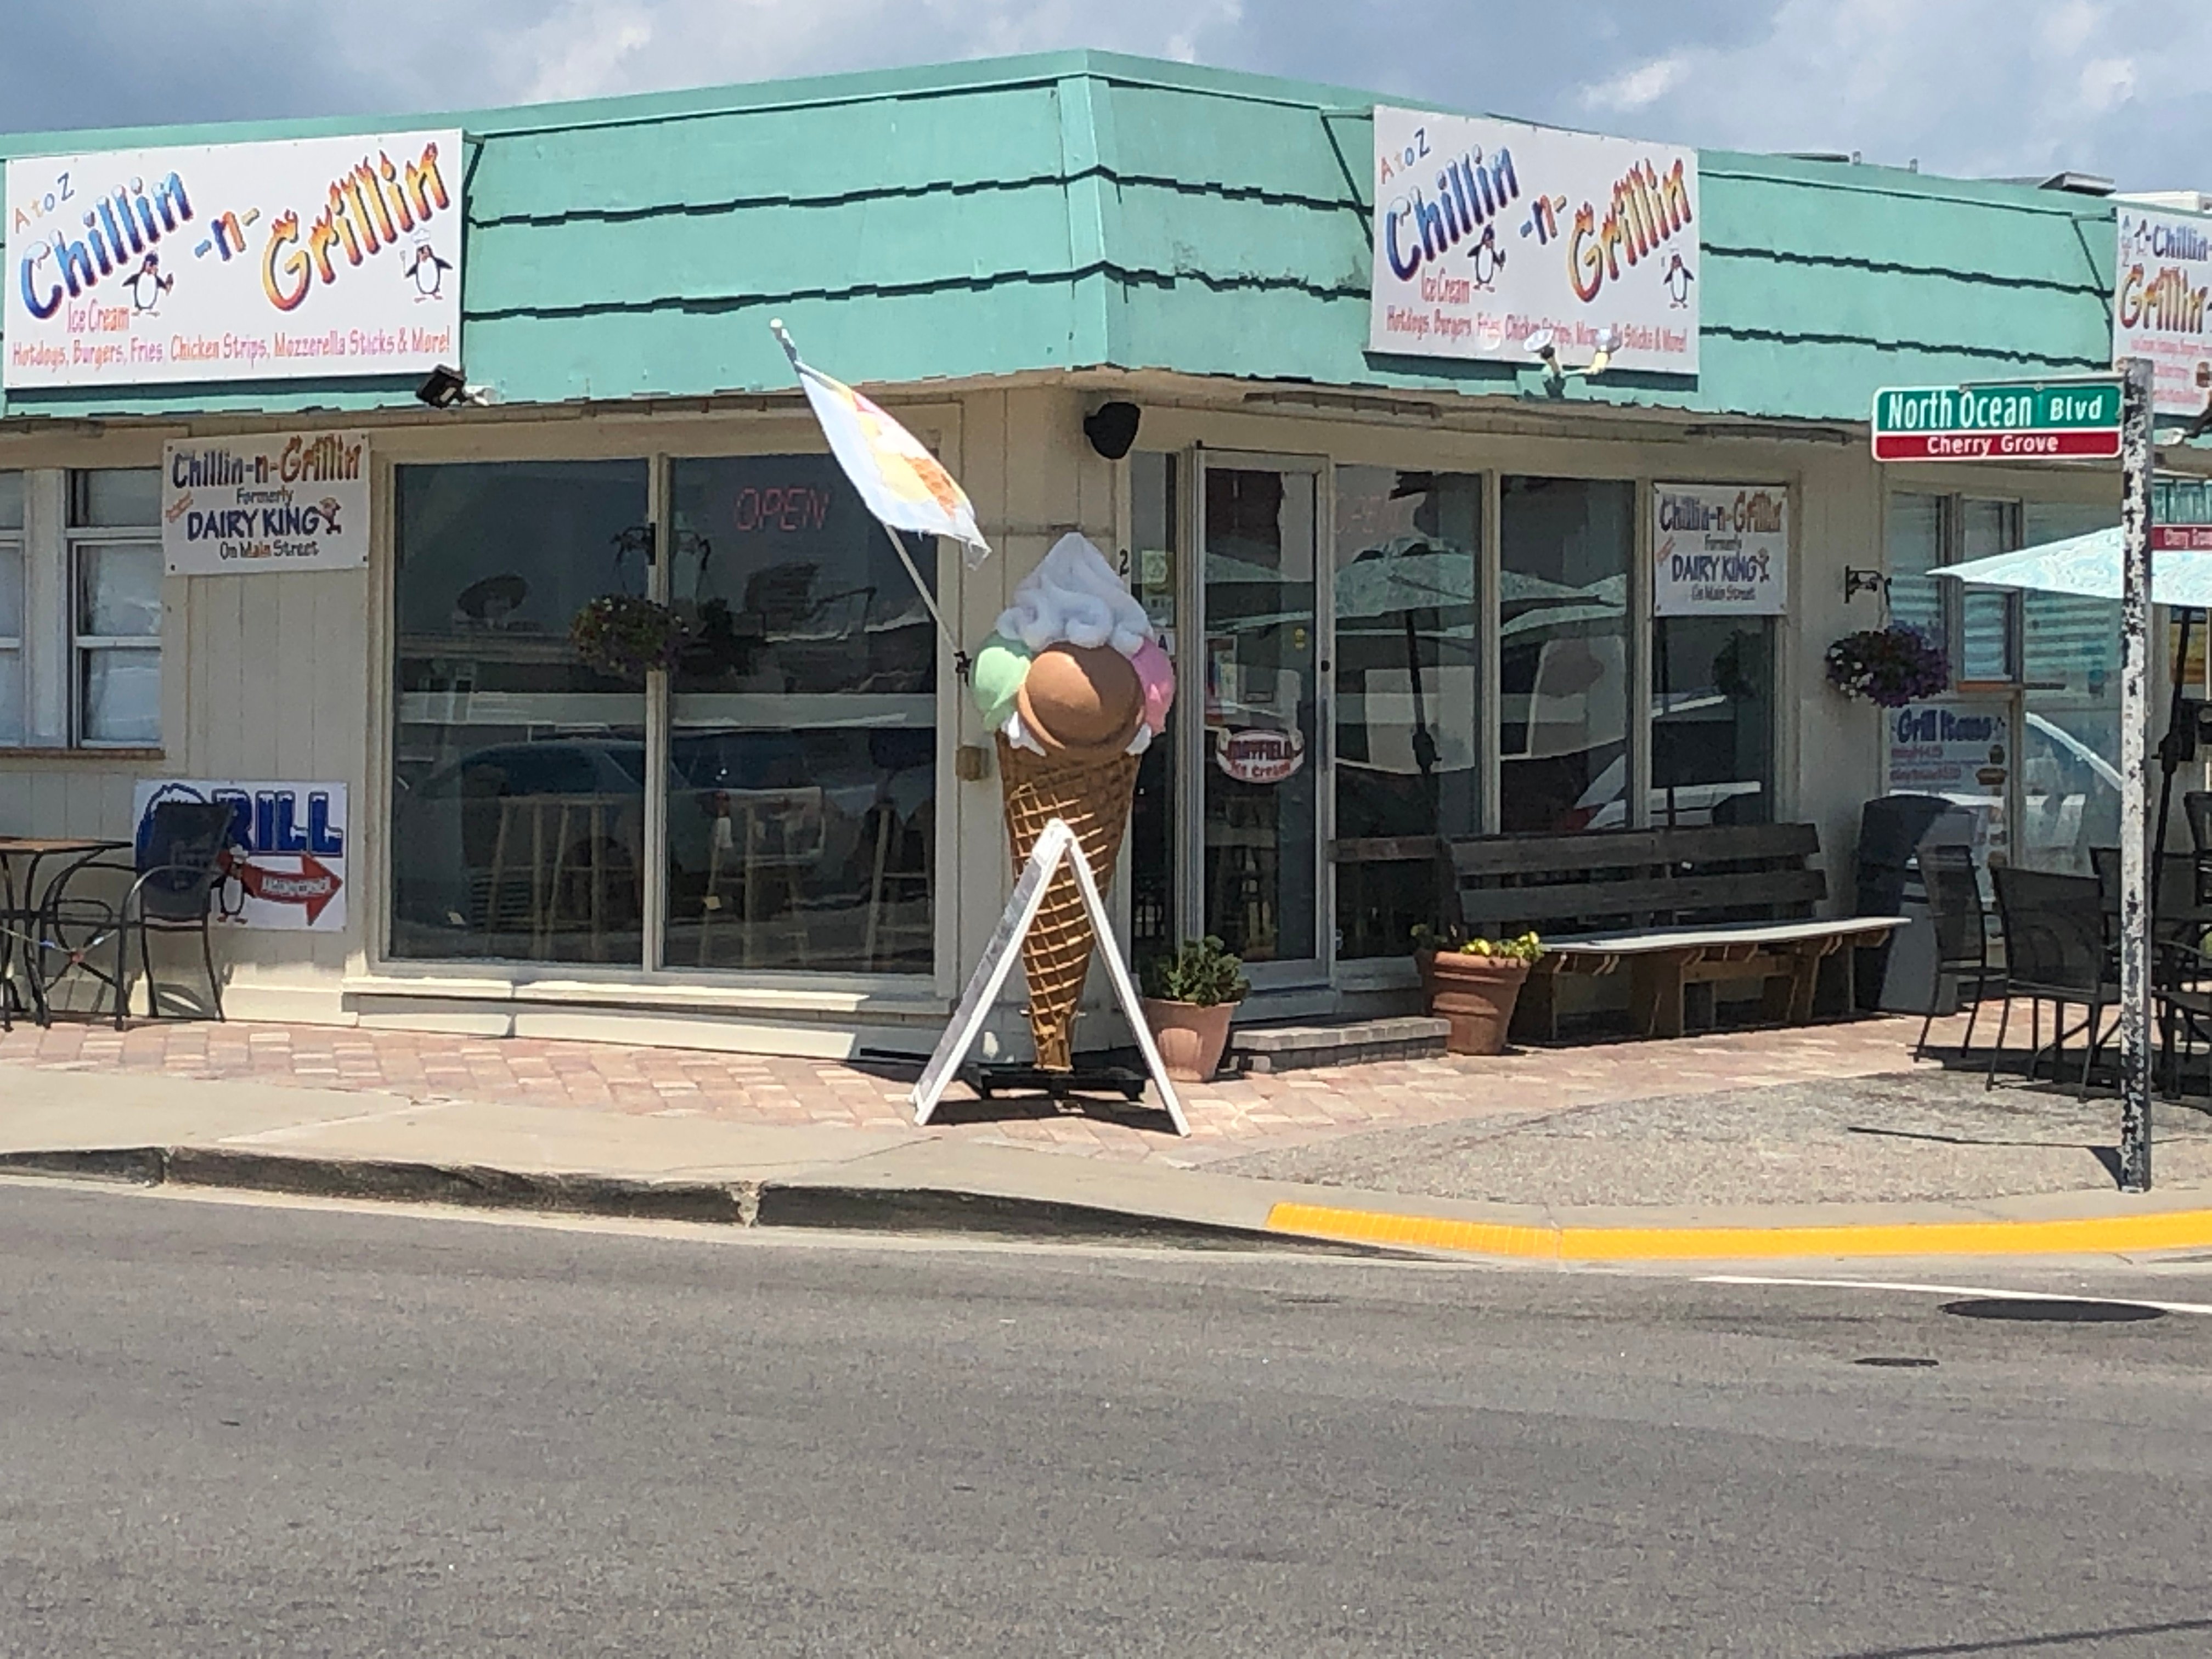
1917	1162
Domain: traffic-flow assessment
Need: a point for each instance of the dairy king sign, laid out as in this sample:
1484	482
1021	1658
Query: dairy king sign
1488	232
284	862
319	258
286	502
1720	550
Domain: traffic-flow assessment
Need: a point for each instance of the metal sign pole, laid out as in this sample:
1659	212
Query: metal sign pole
2135	852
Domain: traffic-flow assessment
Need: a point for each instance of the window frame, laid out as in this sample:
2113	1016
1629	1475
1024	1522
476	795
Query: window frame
15	656
759	989
77	542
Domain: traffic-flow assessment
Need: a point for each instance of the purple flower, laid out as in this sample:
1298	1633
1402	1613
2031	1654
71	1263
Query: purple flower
1889	667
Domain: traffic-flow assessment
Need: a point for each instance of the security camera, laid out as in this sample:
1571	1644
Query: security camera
1112	428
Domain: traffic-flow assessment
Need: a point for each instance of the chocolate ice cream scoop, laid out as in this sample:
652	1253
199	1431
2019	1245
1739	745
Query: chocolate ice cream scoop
1081	703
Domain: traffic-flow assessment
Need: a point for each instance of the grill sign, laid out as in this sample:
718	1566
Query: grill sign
1258	755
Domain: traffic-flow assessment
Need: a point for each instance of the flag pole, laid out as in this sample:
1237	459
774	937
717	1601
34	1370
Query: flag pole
898	544
960	664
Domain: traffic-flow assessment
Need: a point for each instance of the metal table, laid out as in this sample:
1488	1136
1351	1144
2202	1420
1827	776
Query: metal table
25	906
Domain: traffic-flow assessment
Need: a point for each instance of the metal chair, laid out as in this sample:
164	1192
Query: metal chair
183	852
2058	950
1962	934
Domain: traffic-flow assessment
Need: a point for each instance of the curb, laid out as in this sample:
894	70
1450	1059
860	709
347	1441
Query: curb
822	1206
2166	1229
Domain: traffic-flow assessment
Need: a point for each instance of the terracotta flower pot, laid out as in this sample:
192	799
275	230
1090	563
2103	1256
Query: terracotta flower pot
1190	1037
1476	995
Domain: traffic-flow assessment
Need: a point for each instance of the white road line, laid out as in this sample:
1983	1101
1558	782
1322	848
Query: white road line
2198	1308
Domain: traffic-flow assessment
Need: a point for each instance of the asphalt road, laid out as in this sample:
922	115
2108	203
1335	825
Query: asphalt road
236	1430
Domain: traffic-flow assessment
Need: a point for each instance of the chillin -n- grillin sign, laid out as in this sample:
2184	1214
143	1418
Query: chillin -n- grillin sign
321	257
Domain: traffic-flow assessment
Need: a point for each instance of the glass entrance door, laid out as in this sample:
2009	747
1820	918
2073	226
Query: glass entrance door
1259	810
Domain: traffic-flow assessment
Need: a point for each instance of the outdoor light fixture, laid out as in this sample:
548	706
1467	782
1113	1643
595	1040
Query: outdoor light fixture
1545	344
1112	428
444	387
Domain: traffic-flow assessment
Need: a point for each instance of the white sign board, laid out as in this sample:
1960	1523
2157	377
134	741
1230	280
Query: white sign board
2162	284
1960	750
1720	551
1487	231
315	258
285	869
295	501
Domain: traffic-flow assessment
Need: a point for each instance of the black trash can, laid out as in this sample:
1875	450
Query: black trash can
1900	974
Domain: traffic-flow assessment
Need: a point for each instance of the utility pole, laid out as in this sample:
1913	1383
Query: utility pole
2137	857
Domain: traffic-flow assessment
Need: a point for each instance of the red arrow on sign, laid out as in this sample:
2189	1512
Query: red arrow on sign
312	884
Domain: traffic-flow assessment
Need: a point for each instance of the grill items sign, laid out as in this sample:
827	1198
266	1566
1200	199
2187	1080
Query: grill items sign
284	868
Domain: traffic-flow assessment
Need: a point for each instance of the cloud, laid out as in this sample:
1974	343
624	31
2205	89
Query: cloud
1975	86
1641	86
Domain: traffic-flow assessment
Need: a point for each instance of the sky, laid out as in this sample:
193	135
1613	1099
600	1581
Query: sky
1976	87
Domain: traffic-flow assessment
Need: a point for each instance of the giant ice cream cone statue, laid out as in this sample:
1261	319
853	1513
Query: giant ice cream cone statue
1076	686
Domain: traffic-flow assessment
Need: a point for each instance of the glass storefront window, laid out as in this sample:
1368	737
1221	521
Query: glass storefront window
1915	548
802	812
1262	789
1563	602
11	609
1986	632
1154	838
1712	720
1407	682
2070	746
519	773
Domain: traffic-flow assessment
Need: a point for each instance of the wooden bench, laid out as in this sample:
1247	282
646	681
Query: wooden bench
1672	908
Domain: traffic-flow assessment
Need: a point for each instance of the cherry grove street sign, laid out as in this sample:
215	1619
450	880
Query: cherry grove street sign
2052	420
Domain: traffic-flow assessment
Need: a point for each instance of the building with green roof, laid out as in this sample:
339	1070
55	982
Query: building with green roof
1436	581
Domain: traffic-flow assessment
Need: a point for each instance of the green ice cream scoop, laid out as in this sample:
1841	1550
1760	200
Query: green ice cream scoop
996	674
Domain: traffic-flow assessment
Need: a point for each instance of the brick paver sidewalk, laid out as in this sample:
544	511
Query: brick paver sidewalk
1229	1119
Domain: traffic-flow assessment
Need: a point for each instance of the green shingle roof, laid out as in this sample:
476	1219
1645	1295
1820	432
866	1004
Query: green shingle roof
1082	209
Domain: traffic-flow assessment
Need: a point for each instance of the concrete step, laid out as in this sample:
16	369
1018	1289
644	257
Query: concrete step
1295	1048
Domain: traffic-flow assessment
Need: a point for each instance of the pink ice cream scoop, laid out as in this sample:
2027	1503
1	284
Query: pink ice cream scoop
1156	673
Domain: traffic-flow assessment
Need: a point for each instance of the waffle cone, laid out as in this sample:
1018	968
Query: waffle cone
1093	797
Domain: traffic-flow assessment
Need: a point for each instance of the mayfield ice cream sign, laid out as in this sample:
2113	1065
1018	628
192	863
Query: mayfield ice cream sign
1489	232
320	258
295	501
285	867
2162	284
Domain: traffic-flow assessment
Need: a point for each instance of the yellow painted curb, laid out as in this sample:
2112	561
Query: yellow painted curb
2168	1230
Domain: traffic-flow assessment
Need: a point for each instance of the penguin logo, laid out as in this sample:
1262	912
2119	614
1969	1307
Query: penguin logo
147	285
1677	280
1489	259
422	262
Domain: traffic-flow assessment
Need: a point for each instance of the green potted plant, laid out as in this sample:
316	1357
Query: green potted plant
1473	983
1191	994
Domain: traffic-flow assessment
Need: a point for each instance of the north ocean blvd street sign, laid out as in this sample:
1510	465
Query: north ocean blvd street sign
2046	421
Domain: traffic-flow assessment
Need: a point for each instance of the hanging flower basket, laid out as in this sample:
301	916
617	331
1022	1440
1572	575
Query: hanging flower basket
626	637
1889	667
